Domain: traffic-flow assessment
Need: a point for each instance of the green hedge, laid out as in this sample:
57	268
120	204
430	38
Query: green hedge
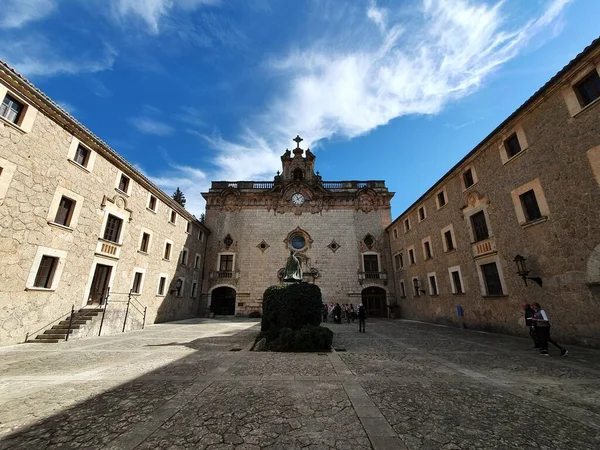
291	306
307	339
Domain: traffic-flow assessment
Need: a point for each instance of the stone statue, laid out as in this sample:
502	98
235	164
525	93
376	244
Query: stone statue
293	270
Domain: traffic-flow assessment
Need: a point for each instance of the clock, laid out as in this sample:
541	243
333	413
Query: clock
297	199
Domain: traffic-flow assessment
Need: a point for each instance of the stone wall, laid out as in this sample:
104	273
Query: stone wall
257	269
562	249
41	169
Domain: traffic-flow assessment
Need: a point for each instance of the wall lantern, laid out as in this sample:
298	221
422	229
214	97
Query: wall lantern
523	272
178	285
417	288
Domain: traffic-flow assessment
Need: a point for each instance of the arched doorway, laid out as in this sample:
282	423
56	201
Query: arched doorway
373	299
223	301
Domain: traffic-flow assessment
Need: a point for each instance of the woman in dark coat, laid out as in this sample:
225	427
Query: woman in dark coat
337	313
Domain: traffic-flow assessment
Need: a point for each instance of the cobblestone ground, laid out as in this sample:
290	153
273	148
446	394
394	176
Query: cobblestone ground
401	385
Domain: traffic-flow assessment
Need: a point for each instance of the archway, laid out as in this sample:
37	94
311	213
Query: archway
223	301
373	299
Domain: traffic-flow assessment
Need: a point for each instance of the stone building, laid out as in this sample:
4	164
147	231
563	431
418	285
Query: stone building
336	228
78	222
530	188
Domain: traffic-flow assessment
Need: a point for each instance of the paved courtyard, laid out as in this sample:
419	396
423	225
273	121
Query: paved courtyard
195	385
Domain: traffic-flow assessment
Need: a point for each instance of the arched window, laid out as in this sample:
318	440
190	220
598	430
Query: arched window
298	175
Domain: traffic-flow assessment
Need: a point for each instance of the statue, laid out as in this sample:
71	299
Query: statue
293	270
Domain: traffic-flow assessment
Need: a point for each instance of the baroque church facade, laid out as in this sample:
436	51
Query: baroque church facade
335	228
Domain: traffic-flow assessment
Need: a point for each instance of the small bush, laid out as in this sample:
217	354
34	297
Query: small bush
307	339
254	315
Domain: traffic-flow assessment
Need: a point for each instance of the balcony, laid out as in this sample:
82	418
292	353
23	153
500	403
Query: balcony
484	247
373	277
108	249
223	276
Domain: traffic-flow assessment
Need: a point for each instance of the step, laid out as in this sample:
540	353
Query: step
45	341
57	331
46	337
65	323
65	327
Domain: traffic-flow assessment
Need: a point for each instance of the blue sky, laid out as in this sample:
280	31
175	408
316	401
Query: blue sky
197	90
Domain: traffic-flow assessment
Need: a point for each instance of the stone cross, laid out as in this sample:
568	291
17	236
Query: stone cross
298	139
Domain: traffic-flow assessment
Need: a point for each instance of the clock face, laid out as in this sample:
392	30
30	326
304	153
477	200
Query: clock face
297	199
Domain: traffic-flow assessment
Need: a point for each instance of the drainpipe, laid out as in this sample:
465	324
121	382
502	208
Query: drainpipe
206	234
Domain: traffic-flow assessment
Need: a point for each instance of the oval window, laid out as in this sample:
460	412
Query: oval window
298	242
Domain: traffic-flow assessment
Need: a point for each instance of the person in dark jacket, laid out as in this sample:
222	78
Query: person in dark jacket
542	327
337	313
529	312
324	312
362	316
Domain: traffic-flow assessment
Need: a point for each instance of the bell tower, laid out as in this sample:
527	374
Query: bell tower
298	167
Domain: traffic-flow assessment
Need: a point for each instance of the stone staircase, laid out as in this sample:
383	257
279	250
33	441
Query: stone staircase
59	331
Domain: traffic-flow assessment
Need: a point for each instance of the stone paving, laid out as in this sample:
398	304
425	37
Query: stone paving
402	385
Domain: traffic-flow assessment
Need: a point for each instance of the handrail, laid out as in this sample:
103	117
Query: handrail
45	326
130	297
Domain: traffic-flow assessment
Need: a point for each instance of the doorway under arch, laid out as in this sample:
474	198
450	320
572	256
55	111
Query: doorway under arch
223	301
373	299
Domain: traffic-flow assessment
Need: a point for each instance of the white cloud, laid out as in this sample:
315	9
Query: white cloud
190	180
151	126
70	108
443	53
16	13
34	55
152	11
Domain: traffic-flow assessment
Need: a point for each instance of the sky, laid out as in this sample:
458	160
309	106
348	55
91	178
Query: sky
194	91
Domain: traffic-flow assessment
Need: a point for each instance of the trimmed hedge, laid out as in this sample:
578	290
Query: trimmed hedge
307	339
292	306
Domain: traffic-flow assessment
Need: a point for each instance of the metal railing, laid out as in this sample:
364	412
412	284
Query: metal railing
132	302
71	313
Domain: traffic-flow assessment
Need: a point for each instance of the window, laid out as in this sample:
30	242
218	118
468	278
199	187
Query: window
491	278
179	287
395	233
45	273
194	289
448	240
200	235
411	256
480	229
369	241
298	242
433	287
422	214
427	249
512	145
167	253
82	156
226	263
162	281
112	231
152	203
530	206
145	242
416	289
173	216
456	282
184	257
468	179
188	228
137	283
298	175
11	109
588	89
197	261
65	211
441	199
124	183
371	263
398	262
402	290
406	225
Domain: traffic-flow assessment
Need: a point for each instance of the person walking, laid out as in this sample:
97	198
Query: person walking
542	327
347	311
529	312
362	316
324	312
352	313
337	313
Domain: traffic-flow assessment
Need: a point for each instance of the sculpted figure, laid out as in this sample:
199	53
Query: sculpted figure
293	271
